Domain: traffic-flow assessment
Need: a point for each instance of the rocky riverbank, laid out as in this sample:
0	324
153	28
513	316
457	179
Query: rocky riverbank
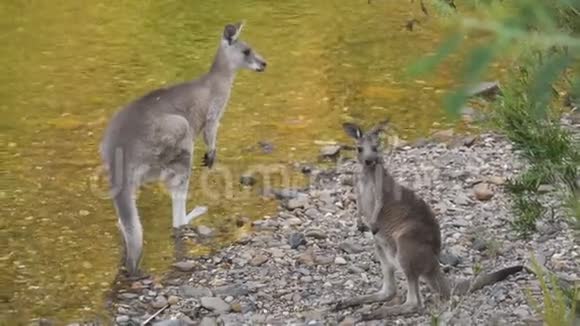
312	253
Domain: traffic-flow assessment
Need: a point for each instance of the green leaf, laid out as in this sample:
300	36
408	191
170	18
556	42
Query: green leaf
429	63
479	59
454	102
575	91
540	90
476	64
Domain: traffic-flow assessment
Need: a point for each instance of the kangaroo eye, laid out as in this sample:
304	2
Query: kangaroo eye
247	52
375	148
359	149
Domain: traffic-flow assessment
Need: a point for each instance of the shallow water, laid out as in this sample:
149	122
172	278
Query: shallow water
66	66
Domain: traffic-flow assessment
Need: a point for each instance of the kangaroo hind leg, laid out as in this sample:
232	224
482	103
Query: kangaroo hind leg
176	177
177	170
389	287
438	283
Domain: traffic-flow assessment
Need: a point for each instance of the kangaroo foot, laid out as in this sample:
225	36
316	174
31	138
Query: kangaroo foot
195	213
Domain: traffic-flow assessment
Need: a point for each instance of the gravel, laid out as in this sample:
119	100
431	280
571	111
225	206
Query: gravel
291	267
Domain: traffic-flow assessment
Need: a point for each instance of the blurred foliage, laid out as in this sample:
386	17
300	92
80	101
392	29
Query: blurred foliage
559	306
549	29
540	42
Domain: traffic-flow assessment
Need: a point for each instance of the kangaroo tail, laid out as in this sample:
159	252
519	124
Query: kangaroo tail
131	229
468	286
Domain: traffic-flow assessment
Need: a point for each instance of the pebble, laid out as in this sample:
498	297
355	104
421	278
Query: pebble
127	296
296	239
340	261
482	191
215	304
170	322
324	260
266	146
184	266
348	321
306	259
293	221
189	291
159	302
204	231
295	203
122	319
258	260
545	189
479	245
350	247
247	180
173	299
316	234
496	180
449	259
231	290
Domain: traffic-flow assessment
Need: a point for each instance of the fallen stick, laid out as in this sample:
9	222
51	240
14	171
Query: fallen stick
155	315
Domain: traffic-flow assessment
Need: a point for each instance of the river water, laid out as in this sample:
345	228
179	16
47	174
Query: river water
66	66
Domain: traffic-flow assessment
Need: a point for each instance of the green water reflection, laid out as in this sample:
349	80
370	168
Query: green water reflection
66	66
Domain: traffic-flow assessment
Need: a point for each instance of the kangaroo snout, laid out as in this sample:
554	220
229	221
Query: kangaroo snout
261	66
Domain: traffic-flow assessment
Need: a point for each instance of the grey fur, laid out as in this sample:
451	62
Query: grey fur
406	232
152	138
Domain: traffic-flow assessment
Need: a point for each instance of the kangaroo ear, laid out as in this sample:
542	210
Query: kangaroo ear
352	130
379	127
232	32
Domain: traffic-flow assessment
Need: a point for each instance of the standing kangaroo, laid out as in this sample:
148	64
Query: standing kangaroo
405	231
152	138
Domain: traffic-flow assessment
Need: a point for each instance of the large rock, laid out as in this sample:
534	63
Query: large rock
485	89
330	151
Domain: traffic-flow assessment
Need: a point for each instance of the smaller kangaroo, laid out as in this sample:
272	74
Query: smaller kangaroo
152	138
406	233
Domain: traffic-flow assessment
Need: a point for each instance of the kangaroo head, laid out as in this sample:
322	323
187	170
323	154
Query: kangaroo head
368	143
238	53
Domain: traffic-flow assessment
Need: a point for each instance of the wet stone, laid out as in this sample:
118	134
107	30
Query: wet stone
184	266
